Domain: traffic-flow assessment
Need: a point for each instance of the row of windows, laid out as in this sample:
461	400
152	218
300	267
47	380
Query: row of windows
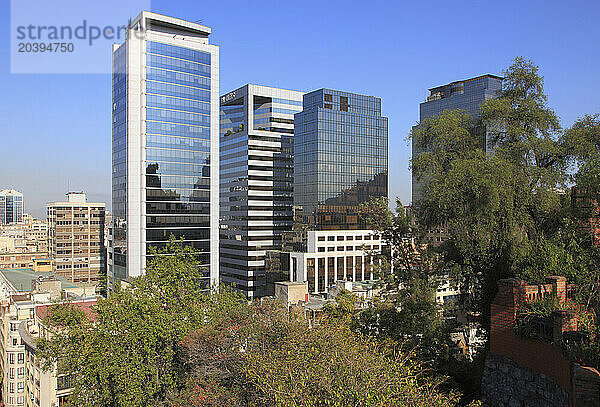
185	143
194	68
348	248
181	91
173	116
179	195
163	154
173	129
287	101
168	102
177	208
178	52
185	168
180	78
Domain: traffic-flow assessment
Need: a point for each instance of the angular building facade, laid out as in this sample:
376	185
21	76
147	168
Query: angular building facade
11	207
340	162
256	170
165	144
340	158
466	95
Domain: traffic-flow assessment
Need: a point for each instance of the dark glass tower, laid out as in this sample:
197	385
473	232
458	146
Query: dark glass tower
467	95
340	158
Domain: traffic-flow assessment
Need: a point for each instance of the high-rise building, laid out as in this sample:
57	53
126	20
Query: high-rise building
340	158
340	162
165	144
76	238
257	130
466	95
11	207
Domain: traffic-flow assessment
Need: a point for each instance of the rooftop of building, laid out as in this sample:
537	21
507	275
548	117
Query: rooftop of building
465	81
21	279
342	92
85	305
155	20
11	192
269	91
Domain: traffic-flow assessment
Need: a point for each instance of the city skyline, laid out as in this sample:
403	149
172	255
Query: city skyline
399	60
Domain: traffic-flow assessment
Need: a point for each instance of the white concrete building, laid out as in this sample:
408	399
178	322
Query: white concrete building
334	255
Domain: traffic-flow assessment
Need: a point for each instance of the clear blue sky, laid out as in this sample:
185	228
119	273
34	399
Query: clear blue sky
56	128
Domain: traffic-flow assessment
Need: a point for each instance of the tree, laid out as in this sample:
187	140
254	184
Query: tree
126	354
267	356
163	342
406	310
504	210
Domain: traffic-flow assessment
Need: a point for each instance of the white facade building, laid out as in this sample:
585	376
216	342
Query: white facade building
335	255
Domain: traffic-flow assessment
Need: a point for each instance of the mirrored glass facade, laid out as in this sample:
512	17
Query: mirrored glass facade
256	173
165	144
340	158
467	95
11	207
118	251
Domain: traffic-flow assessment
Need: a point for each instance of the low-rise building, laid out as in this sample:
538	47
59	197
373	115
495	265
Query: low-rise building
333	255
25	295
45	388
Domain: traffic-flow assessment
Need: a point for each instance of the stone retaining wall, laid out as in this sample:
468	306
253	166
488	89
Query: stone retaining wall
508	384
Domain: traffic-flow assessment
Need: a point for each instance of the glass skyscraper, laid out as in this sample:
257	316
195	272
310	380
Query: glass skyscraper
466	95
340	162
11	207
256	170
165	144
340	158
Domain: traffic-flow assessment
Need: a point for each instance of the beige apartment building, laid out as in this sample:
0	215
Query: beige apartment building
22	245
76	238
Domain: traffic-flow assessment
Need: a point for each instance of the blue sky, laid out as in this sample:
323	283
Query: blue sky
56	128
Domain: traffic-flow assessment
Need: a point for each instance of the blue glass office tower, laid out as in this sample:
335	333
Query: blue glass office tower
256	170
165	144
340	158
11	207
466	95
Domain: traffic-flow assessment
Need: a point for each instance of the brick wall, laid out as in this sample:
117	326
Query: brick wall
520	371
534	354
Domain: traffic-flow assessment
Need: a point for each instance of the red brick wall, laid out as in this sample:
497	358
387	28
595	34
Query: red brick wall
536	355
